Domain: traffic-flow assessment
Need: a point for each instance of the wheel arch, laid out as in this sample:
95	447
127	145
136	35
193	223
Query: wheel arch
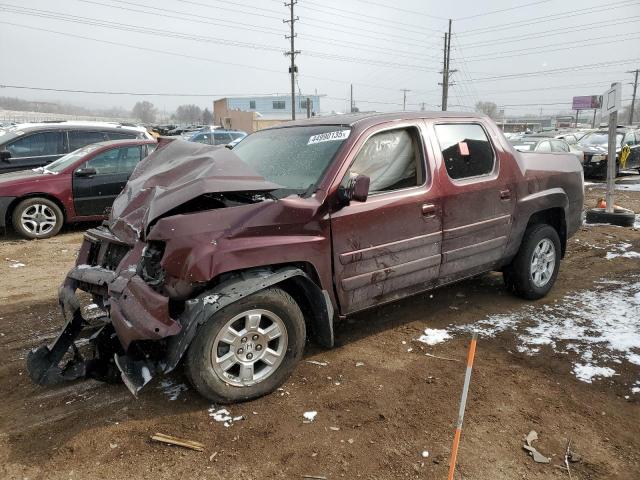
314	302
12	206
555	217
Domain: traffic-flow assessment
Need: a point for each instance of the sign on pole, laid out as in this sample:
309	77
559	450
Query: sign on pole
588	102
611	100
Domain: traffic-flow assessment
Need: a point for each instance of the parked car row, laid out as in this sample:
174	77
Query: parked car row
591	147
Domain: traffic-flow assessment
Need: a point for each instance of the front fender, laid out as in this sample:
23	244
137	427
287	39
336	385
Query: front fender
199	309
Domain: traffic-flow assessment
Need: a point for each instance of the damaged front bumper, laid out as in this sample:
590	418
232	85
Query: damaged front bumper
137	312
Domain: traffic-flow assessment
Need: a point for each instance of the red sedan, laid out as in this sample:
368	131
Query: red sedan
77	187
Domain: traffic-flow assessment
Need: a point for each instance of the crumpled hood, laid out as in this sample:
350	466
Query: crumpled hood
175	174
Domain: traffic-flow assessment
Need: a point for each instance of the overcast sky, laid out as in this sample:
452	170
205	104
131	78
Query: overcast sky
219	48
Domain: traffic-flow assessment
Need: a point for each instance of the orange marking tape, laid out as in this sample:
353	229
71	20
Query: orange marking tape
463	403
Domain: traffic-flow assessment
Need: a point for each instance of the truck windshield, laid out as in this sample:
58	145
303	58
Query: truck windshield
294	157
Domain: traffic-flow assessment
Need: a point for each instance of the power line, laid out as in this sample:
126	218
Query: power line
359	17
192	57
199	38
517	7
522	52
398	9
549	33
135	94
548	18
555	70
235	25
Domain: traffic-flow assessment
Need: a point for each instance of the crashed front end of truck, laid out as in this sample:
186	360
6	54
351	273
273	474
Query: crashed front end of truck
156	268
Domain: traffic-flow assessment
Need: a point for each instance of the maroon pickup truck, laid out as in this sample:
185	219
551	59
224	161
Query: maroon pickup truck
230	259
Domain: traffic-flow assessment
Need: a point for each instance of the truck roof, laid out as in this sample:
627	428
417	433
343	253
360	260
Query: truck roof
368	119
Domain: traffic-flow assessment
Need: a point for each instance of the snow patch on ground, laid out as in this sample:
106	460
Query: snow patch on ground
433	336
587	372
224	416
171	389
310	416
601	326
622	250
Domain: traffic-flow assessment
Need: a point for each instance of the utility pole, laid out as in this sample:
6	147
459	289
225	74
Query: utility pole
633	98
308	104
404	98
446	70
293	70
351	100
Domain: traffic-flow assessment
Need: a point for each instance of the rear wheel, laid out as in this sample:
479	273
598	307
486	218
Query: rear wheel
533	271
37	218
247	349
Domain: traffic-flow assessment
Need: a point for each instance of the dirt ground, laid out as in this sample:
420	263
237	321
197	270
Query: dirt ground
382	397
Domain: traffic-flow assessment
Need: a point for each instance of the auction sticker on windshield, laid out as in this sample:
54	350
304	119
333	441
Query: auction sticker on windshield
329	137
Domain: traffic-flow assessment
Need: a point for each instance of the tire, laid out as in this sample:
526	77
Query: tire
37	217
521	277
620	217
220	379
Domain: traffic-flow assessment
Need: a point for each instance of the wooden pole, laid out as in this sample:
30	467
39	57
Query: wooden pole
463	403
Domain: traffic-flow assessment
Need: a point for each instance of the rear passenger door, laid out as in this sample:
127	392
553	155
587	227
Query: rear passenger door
388	246
93	194
478	199
82	138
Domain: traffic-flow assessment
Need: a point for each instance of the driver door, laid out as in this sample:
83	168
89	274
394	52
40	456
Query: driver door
93	194
388	246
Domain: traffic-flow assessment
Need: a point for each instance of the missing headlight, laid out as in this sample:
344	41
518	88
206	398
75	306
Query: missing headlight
149	268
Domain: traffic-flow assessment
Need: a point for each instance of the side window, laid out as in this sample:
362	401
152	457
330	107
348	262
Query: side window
116	160
151	148
544	147
81	138
221	138
466	150
37	145
392	160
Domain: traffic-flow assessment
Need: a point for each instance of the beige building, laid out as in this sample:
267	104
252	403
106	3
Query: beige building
255	113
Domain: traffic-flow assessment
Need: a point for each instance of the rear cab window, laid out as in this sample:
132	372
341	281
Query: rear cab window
466	150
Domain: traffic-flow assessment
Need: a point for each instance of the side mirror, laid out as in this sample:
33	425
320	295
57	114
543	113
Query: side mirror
357	190
85	172
5	155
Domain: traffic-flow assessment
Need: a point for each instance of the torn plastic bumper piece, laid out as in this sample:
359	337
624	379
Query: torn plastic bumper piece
42	362
136	373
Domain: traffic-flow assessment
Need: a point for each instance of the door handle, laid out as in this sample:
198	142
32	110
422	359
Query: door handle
428	210
505	194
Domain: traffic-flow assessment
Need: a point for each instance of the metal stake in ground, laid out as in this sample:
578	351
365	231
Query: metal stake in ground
463	403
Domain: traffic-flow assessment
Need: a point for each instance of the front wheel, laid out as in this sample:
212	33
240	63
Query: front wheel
533	271
247	349
37	218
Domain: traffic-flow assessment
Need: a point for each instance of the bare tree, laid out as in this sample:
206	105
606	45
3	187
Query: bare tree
189	114
144	111
488	108
207	117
